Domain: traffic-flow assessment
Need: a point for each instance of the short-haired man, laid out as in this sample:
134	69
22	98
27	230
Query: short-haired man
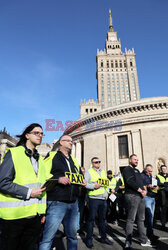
62	200
134	197
149	200
97	202
162	179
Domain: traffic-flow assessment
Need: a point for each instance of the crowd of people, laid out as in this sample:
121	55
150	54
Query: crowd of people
32	208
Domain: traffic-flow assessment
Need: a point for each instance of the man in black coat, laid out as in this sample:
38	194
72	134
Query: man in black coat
134	196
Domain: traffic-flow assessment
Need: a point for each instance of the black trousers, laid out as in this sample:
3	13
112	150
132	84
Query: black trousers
164	206
100	207
112	214
21	234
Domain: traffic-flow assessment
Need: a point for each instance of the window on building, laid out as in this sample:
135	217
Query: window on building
86	111
116	64
131	64
107	64
101	64
112	65
123	147
125	65
91	110
95	110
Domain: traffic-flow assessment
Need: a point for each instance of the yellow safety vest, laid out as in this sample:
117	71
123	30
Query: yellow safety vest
112	183
94	178
13	208
123	185
162	180
48	163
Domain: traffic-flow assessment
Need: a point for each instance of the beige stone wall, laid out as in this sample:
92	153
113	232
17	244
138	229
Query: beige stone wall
149	142
155	144
145	123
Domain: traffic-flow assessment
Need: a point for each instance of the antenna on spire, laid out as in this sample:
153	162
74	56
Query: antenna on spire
110	25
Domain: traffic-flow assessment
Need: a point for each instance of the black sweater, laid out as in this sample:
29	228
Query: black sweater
65	193
133	180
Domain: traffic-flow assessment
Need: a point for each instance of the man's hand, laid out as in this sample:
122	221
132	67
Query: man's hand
84	184
43	219
144	193
96	186
139	190
36	192
112	191
64	180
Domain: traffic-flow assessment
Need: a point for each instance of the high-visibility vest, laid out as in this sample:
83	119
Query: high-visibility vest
112	183
13	208
162	180
123	185
94	178
48	164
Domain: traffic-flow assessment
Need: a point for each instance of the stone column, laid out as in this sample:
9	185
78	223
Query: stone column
109	152
73	151
137	147
78	152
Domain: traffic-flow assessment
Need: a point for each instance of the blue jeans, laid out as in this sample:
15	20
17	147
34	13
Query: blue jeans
100	206
149	214
57	212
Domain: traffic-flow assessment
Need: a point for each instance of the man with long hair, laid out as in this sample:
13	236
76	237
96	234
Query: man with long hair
22	200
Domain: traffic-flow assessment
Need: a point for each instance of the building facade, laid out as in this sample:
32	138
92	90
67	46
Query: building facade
138	127
123	123
6	141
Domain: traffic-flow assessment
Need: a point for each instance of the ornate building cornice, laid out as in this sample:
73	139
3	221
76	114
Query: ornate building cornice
137	110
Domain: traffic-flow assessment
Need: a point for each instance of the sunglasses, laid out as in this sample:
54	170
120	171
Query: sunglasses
96	162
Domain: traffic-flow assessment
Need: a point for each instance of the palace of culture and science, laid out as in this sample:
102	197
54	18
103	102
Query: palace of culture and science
120	123
117	80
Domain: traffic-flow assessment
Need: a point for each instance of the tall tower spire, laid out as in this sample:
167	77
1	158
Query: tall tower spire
110	25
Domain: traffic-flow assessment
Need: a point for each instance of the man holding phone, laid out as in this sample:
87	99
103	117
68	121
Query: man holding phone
151	187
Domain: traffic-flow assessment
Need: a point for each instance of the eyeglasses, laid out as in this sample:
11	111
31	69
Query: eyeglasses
37	133
96	162
67	140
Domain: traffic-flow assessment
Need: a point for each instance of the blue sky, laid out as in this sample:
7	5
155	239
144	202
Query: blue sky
48	55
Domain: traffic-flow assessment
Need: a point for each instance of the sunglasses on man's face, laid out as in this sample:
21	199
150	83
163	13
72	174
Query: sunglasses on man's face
96	162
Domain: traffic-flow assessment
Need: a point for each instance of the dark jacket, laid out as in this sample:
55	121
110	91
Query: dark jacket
133	180
148	181
65	193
